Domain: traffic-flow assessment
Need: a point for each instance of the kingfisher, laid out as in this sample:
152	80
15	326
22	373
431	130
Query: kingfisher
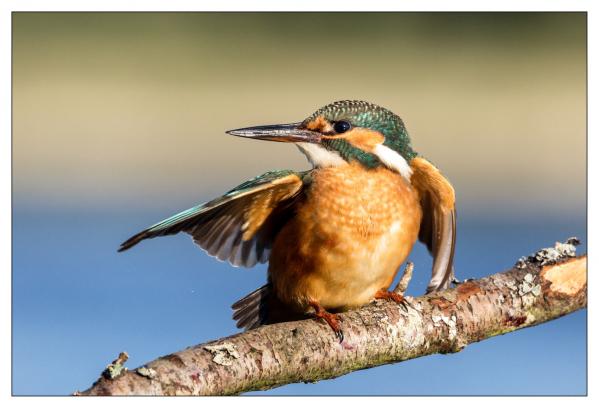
334	236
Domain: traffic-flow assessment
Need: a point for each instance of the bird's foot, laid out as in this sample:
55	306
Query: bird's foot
456	281
396	297
331	319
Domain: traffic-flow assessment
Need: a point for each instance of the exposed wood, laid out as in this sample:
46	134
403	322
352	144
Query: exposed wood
538	289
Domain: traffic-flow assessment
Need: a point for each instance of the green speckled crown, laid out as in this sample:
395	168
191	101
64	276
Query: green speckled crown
371	116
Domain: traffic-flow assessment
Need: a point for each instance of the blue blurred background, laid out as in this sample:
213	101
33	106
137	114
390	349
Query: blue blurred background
118	122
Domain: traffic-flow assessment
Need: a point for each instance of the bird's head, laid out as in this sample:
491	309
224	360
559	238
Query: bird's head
343	132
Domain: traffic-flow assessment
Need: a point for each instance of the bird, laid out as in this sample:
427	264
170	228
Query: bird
334	236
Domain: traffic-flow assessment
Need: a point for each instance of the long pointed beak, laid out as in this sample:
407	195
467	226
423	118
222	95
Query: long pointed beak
291	132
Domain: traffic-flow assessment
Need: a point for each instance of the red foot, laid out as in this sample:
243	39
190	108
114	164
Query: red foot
396	297
331	318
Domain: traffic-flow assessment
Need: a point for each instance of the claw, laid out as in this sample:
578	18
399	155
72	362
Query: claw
332	319
396	297
456	281
409	304
339	335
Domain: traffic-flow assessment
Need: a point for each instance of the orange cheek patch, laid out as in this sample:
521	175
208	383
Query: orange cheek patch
364	139
320	124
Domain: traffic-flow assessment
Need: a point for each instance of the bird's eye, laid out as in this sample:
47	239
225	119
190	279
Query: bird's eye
341	126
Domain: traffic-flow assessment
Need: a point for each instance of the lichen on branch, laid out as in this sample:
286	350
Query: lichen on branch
541	287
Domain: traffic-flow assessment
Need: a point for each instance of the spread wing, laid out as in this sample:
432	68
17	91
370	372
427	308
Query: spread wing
438	226
239	226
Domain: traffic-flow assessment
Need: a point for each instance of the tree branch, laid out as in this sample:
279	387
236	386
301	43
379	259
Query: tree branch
542	287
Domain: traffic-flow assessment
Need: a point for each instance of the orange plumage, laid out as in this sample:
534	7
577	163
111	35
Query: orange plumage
334	235
349	235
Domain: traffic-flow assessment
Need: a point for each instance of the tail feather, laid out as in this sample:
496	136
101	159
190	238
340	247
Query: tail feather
262	307
251	311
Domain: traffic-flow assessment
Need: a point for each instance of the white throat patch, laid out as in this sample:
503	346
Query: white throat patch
393	160
318	156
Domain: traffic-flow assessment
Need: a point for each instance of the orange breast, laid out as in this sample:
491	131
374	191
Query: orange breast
347	239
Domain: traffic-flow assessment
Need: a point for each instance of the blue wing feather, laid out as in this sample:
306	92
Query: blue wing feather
217	226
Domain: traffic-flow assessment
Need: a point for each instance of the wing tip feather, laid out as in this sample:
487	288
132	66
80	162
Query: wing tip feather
134	240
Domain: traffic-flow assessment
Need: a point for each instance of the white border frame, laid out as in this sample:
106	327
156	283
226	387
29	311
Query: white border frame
8	6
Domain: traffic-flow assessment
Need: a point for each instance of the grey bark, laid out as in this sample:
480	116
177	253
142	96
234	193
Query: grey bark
545	286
